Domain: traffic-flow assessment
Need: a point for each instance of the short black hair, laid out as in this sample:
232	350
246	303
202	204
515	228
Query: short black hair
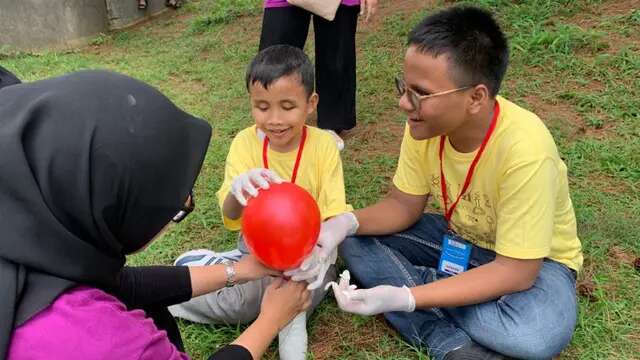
472	39
278	61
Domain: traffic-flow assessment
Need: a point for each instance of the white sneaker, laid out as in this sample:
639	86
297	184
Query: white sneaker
337	138
200	257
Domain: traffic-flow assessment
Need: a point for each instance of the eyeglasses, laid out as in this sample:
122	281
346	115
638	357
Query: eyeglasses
416	99
187	208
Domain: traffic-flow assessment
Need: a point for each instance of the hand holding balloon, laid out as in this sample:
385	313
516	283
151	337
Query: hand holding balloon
246	185
281	226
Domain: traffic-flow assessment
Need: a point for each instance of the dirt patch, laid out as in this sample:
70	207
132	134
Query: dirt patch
604	183
615	8
188	86
379	138
563	117
336	334
619	255
558	115
586	286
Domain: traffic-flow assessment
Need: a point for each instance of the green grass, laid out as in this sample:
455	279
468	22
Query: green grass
576	63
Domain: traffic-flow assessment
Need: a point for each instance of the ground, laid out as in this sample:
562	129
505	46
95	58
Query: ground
576	63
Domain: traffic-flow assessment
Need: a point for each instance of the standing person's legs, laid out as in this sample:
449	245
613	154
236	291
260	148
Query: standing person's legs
335	43
285	25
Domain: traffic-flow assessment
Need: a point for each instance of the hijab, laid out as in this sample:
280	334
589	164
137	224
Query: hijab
92	166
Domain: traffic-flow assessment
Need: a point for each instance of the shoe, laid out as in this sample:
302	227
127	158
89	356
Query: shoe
337	138
474	351
142	4
201	257
173	3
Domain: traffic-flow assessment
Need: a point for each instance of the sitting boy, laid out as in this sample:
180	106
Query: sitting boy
280	81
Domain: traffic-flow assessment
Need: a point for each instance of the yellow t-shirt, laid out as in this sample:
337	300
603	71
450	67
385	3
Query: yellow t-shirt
518	202
319	172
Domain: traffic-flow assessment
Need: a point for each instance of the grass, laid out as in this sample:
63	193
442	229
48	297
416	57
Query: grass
576	63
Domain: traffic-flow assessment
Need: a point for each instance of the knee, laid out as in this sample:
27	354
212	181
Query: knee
537	346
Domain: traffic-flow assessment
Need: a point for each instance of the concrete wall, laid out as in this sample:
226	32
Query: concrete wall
37	24
123	13
29	24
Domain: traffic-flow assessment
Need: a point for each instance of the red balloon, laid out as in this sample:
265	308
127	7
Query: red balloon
281	225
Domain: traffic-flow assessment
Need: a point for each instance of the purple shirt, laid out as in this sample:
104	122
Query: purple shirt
283	3
86	323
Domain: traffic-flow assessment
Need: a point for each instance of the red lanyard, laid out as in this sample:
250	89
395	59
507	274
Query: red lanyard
448	212
265	146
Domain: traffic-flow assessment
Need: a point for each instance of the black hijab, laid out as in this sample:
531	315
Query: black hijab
92	166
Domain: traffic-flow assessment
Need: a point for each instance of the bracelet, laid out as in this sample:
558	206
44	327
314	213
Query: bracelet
231	273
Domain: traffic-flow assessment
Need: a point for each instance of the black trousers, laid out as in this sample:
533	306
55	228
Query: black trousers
335	43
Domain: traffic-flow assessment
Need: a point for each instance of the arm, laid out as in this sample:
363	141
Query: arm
149	286
282	301
205	279
396	212
502	276
523	239
231	208
242	180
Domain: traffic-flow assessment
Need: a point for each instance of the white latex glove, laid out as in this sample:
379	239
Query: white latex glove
332	232
250	181
314	268
379	299
368	8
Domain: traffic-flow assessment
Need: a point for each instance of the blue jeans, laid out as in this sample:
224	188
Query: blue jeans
533	324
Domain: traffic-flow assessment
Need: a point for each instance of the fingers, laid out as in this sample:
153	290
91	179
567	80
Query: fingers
363	6
237	192
258	179
320	278
357	295
272	176
276	283
306	275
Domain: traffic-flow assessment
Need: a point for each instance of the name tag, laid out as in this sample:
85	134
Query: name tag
455	255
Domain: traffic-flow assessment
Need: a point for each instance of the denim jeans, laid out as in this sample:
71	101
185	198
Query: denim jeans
533	324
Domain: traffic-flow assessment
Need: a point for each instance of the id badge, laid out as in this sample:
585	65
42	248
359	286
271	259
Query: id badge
455	255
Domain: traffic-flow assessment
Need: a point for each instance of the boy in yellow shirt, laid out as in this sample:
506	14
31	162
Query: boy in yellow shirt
493	274
279	147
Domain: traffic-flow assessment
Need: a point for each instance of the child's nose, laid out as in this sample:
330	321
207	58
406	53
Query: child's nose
274	117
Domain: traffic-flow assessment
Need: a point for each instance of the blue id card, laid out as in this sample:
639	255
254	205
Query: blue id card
455	255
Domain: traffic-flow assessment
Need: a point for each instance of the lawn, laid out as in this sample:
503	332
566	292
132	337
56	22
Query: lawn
576	63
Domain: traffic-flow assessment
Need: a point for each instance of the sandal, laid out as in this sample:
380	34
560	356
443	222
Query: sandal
142	4
173	3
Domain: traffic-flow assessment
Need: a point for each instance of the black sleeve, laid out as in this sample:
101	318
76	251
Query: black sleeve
144	287
232	352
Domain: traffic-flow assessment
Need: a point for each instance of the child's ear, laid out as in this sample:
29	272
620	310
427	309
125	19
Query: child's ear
313	103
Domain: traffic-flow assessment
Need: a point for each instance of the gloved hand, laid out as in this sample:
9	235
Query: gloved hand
332	232
379	299
250	181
